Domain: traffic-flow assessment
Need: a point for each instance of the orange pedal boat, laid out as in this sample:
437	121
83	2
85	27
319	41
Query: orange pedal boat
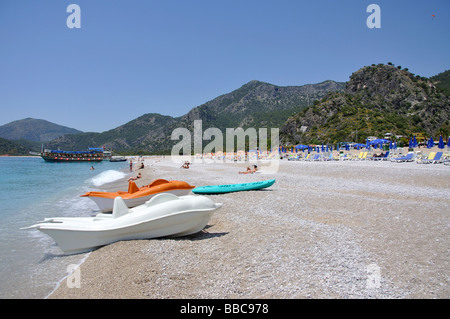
137	196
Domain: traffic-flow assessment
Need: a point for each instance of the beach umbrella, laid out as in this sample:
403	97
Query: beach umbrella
430	142
378	141
327	147
301	147
448	144
415	144
410	144
441	142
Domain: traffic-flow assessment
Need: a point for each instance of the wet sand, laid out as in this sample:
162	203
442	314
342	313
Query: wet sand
339	229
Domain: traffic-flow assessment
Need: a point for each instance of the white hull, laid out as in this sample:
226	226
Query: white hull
106	204
164	216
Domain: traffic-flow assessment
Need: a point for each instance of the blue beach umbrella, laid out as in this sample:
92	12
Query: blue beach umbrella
415	144
430	142
441	142
448	144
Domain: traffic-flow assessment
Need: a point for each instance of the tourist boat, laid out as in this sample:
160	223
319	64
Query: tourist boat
165	215
136	196
220	189
91	155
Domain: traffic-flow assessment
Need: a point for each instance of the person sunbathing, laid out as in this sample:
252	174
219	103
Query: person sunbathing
185	165
250	170
135	178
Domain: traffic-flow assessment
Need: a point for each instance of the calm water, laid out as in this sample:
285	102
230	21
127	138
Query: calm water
31	264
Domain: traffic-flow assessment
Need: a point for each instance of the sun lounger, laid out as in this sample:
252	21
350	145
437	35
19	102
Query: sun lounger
307	157
359	156
427	158
407	158
383	158
435	159
315	158
364	156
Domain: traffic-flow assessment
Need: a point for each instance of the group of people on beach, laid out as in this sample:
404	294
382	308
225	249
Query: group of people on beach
138	175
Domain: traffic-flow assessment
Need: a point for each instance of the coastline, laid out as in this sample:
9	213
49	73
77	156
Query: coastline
314	234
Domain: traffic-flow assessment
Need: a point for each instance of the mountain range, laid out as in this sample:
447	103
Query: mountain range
255	104
377	99
34	130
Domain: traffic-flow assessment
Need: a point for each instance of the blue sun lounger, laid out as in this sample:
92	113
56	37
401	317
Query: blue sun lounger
436	159
407	158
315	158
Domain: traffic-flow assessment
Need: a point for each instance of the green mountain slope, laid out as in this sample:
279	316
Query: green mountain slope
442	81
378	99
8	147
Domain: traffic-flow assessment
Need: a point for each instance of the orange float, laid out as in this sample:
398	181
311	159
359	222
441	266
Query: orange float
138	195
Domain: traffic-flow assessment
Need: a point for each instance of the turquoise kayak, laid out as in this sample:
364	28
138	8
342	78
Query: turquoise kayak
220	189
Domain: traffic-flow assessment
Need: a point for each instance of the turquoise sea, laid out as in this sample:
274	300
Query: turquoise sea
31	264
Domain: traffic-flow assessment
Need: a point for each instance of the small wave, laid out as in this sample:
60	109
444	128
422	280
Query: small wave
107	177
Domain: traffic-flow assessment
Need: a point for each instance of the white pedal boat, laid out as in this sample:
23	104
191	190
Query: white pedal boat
165	215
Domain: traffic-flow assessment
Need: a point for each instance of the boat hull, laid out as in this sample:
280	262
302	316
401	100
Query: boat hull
221	189
166	215
69	159
79	241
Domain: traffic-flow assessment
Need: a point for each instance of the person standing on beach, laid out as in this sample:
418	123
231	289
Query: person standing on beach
131	166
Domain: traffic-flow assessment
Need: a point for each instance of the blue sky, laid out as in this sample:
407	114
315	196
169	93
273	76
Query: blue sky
132	57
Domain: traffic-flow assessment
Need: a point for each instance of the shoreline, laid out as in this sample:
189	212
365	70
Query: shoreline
313	234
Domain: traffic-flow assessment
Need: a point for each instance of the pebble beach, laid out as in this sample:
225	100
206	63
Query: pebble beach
329	229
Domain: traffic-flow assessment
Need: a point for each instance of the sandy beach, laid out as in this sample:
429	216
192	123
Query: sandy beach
337	229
